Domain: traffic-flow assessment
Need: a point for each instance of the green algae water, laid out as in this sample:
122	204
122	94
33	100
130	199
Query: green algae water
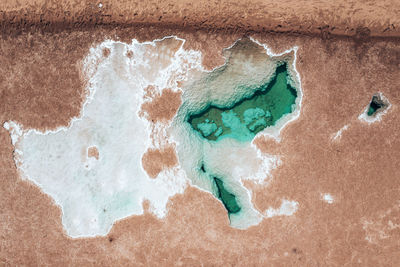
250	115
227	198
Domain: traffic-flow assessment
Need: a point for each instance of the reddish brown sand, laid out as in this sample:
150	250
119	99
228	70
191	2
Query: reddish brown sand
156	160
41	87
161	108
93	152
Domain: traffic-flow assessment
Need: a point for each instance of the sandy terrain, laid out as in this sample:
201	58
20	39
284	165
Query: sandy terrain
41	87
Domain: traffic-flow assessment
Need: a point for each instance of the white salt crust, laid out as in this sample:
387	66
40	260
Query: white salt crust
338	135
328	198
92	193
287	208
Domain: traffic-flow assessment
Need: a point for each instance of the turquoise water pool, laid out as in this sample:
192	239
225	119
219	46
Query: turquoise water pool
248	116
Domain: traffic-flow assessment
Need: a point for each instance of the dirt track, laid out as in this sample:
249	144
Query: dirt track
359	18
41	87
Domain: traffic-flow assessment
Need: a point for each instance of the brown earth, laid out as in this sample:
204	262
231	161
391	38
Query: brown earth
41	87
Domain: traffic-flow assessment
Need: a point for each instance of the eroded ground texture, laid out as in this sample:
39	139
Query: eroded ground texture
331	199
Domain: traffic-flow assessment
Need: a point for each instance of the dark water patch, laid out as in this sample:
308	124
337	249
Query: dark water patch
202	168
376	104
227	198
248	116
